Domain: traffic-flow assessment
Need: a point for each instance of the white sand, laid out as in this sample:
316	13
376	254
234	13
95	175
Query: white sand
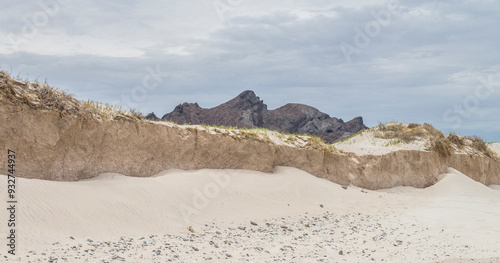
366	143
495	147
113	217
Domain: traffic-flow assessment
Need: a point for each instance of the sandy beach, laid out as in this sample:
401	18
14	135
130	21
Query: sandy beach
250	131
248	216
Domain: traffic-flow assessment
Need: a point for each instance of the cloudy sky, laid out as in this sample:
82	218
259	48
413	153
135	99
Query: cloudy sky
407	60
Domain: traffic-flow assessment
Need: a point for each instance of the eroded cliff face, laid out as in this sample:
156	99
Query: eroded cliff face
54	146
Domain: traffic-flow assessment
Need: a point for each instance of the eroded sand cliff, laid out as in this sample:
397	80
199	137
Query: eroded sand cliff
57	137
55	146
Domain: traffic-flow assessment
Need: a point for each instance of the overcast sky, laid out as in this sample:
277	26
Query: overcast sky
411	61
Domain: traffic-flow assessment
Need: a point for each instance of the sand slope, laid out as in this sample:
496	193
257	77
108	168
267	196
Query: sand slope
459	205
495	147
455	219
115	204
366	143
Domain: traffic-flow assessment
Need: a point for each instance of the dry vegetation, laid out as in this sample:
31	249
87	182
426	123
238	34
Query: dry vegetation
407	133
457	140
438	142
36	95
44	97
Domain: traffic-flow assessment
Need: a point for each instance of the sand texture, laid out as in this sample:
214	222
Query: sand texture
239	215
495	147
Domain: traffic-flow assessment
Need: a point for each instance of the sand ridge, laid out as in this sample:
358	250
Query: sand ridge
287	215
67	148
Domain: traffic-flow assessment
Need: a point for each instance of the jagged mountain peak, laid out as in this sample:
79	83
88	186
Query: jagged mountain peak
247	110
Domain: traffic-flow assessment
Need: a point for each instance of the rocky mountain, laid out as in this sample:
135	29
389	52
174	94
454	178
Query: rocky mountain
299	118
245	111
152	116
248	111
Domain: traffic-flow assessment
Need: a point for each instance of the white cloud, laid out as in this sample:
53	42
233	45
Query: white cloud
56	45
180	51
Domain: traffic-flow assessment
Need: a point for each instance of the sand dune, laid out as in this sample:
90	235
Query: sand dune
295	217
367	143
463	207
495	147
114	203
65	147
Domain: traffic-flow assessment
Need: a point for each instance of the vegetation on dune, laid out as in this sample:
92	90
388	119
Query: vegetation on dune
442	146
406	133
264	135
36	95
317	143
108	112
457	140
45	97
479	144
438	142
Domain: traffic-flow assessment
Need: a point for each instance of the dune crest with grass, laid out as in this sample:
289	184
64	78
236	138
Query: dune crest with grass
60	138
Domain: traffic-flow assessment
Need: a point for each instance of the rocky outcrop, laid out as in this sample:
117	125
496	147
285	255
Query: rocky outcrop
244	111
152	116
248	111
299	118
54	146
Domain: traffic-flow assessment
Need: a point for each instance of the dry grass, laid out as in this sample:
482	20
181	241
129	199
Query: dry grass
470	142
316	143
291	139
250	136
437	141
457	140
432	132
481	146
44	97
402	132
448	143
442	146
413	125
37	95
